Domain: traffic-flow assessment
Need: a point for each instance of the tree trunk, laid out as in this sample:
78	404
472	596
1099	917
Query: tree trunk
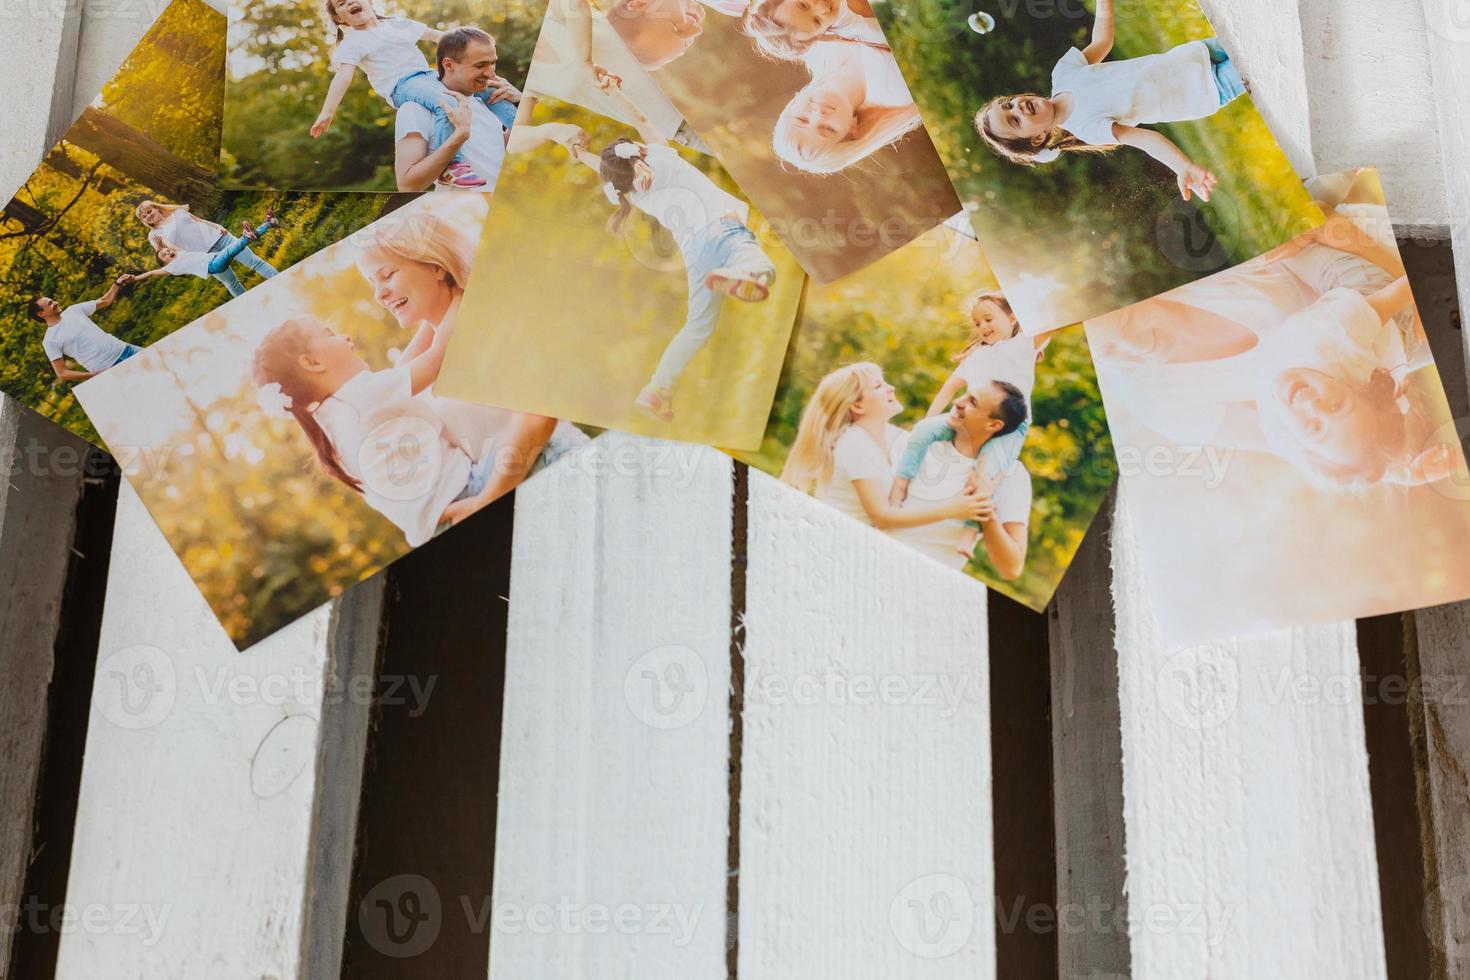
29	218
145	160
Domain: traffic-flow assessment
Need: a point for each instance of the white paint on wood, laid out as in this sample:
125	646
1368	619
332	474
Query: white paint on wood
1250	848
1372	100
610	851
200	785
865	813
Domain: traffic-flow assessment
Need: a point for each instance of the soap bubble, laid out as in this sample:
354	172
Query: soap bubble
981	23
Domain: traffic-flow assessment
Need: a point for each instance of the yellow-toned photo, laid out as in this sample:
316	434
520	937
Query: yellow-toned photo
625	283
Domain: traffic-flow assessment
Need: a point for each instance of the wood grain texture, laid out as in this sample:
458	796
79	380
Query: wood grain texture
1439	719
1087	754
865	804
610	853
38	502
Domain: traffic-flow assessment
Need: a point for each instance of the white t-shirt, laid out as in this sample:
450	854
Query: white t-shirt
1340	335
387	53
1012	360
189	264
942	478
881	74
187	233
682	199
857	457
484	150
1176	85
395	444
77	337
557	72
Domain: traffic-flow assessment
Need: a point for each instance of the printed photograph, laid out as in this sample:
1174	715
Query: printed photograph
625	283
292	443
912	402
803	103
120	236
1284	423
368	95
576	50
1104	152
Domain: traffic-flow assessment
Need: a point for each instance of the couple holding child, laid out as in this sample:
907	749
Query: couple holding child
956	479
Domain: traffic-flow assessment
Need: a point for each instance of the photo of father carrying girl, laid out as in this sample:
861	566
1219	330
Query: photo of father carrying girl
803	103
912	402
623	282
297	440
368	95
120	237
1105	152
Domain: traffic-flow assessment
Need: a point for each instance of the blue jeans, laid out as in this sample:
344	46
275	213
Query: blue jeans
128	351
504	110
220	261
245	257
424	88
564	440
723	244
1227	76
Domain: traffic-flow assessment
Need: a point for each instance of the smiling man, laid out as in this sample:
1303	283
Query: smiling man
483	115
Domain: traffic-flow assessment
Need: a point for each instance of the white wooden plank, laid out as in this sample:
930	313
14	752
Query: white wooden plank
1250	847
865	830
39	100
610	851
197	821
1443	633
1373	103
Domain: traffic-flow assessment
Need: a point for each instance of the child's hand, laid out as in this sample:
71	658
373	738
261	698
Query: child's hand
501	89
1194	179
569	135
457	111
323	122
601	75
461	509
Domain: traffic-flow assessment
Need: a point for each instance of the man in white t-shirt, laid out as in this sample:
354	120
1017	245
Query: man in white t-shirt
72	334
947	467
467	60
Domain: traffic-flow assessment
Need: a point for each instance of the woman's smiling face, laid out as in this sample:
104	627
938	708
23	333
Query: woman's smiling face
876	400
150	215
1328	417
805	19
412	291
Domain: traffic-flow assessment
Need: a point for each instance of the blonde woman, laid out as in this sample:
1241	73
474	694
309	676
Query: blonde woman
843	450
856	104
172	226
417	262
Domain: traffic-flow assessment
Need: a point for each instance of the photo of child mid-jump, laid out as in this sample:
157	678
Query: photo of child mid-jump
386	50
710	226
185	262
1097	105
997	353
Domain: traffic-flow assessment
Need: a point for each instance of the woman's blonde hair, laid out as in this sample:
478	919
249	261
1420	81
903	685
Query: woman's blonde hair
994	296
827	415
774	39
1024	152
421	235
167	209
874	128
278	361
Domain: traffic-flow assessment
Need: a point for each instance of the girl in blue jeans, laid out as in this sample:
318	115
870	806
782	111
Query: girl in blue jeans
721	255
181	262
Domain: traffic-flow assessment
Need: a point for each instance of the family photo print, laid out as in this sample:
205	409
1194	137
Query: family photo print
323	94
803	103
292	443
1277	424
913	402
120	236
1105	151
625	283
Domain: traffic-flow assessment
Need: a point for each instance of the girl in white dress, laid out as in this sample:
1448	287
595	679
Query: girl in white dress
1098	105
